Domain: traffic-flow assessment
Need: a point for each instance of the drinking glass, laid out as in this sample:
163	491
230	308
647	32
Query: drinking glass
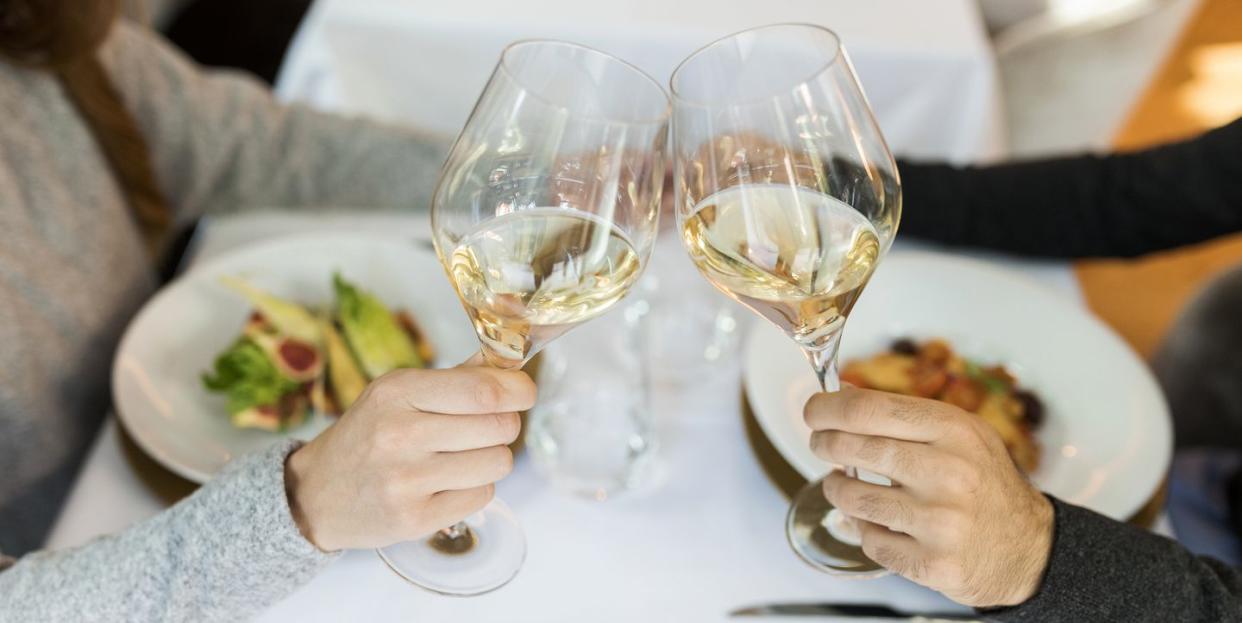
544	217
786	198
592	432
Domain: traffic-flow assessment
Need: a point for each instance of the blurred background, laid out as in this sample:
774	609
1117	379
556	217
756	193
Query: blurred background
1073	75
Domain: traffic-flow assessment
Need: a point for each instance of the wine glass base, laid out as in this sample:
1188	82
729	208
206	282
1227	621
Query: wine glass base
810	529
480	562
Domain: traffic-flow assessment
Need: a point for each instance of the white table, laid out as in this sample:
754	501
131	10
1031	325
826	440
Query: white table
927	67
706	536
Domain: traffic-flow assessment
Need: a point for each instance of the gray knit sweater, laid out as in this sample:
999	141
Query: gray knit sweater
73	271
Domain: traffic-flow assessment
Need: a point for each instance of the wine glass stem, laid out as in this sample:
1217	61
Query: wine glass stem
456	530
824	360
455	539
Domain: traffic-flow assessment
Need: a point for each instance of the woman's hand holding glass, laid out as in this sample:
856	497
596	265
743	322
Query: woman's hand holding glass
418	451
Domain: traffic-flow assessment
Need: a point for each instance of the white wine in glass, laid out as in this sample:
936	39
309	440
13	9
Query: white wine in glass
529	276
544	217
798	257
787	198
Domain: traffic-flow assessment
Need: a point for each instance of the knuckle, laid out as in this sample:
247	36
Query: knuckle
874	450
845	496
971	593
953	526
508	426
854	409
387	388
391	496
978	436
890	558
960	477
415	516
904	460
524	390
873	507
417	430
502	462
387	438
480	498
911	410
483	498
487	393
949	575
969	479
884	510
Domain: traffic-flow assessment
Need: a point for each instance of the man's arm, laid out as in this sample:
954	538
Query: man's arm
1103	570
1083	206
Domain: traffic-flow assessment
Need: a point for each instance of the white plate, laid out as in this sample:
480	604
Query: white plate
1107	439
156	377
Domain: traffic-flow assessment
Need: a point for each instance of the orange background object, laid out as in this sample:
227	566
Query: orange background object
1198	87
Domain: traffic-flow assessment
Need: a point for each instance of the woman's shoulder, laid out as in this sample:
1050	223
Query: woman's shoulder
139	60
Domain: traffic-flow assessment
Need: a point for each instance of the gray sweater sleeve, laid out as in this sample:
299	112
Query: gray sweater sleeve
222	554
221	142
1104	570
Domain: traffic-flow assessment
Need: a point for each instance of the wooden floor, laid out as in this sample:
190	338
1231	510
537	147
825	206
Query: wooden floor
1198	87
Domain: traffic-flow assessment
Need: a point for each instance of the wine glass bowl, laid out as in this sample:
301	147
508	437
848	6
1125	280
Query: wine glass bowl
544	217
548	205
787	199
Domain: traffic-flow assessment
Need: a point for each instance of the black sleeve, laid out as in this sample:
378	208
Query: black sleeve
1104	570
1083	206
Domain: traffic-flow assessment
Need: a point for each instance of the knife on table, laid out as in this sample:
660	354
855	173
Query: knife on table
861	611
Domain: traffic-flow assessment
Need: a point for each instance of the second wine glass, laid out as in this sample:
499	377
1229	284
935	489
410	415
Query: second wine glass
544	217
787	198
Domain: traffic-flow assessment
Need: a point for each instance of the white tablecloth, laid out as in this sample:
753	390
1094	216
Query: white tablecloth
927	67
706	536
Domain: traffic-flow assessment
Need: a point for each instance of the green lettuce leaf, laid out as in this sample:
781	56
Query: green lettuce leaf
247	377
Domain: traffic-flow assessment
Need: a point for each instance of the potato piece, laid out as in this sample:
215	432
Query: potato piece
887	372
936	352
964	393
928	381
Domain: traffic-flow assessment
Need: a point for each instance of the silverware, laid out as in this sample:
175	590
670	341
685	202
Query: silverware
861	611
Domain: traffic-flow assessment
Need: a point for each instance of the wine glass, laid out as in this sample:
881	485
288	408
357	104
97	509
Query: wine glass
544	217
787	198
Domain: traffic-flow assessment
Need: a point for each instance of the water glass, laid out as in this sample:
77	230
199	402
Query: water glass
592	431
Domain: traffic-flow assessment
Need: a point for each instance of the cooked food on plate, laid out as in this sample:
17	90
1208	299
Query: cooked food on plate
291	360
932	370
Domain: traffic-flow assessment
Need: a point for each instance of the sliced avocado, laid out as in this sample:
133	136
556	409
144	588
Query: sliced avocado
287	317
372	332
344	376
